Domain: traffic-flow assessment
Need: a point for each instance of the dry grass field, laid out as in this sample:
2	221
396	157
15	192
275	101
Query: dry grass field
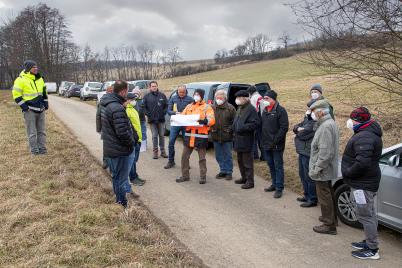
58	209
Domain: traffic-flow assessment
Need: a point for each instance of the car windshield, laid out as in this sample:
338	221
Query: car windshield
95	85
192	87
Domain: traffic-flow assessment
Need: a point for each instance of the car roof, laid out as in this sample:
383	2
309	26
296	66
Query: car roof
206	83
393	147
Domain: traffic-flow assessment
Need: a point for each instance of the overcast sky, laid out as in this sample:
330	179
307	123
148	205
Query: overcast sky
198	28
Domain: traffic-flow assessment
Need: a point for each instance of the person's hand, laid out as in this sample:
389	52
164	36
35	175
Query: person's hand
203	121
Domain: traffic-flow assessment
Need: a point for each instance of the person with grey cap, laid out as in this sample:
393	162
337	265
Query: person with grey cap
323	166
316	93
29	92
245	124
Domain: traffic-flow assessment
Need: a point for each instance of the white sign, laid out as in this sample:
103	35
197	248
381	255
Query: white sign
181	120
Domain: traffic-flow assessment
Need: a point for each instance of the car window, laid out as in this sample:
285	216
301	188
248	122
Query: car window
385	157
141	85
95	85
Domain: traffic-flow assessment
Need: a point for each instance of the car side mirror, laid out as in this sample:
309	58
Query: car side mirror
392	161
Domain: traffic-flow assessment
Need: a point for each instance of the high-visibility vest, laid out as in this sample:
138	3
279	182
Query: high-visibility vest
206	112
134	119
29	92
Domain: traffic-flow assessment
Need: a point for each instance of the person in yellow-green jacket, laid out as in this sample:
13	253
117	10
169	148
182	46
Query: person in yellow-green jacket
134	117
29	92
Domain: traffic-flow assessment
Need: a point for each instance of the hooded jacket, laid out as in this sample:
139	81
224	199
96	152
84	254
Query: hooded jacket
117	131
360	162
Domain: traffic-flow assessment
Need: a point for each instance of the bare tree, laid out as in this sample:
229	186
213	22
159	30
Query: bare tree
173	57
285	39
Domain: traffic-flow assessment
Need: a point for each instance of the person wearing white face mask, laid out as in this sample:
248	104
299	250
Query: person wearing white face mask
222	134
323	166
316	93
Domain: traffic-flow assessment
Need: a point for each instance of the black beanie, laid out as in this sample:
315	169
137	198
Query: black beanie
242	93
251	89
272	94
200	92
28	64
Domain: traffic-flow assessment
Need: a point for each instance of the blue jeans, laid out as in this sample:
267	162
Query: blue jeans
133	159
144	130
223	155
119	168
308	184
174	132
275	164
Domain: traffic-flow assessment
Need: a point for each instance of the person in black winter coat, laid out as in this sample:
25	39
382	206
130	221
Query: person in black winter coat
304	136
361	171
275	125
245	124
155	107
119	138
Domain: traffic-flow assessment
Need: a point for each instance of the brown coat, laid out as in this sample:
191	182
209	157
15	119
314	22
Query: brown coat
224	115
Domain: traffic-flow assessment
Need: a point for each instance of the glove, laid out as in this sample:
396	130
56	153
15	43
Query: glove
46	105
203	121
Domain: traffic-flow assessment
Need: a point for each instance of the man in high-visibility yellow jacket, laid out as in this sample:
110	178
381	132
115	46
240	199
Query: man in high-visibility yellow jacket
29	92
197	136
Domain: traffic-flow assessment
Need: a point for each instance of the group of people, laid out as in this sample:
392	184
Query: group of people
259	122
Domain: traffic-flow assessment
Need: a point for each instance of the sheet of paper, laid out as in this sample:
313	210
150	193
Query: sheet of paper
359	197
181	120
143	146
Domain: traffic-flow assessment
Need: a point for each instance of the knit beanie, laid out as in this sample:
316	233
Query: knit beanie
28	64
360	114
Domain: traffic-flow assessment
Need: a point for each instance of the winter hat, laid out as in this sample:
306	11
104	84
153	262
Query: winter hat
317	87
28	64
137	92
360	115
200	92
320	104
242	93
272	94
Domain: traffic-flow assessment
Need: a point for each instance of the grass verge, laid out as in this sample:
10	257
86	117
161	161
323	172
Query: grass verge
58	209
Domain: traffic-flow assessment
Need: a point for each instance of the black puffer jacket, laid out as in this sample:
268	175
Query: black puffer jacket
360	161
117	132
155	107
304	137
245	124
275	125
139	106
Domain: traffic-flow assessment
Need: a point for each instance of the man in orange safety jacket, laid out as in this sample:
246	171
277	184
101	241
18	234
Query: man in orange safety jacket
197	136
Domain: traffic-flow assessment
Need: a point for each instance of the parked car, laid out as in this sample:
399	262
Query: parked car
90	90
389	197
141	84
103	88
73	91
64	85
51	87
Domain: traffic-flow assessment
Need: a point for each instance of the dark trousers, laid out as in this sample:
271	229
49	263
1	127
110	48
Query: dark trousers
246	166
185	161
174	133
119	169
325	196
257	144
310	193
275	164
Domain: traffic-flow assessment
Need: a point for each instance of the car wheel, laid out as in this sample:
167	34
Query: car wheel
345	208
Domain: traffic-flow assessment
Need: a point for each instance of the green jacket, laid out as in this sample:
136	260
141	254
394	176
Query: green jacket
135	120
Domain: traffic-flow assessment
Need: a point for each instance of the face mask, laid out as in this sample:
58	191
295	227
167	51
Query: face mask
134	102
238	102
266	103
308	112
349	124
315	95
219	102
314	117
197	98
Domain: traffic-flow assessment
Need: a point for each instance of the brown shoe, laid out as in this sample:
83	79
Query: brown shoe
182	179
169	165
163	154
321	219
325	229
155	154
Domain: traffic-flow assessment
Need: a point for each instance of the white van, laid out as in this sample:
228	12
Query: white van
51	87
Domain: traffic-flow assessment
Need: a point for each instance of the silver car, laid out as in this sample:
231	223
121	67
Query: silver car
389	197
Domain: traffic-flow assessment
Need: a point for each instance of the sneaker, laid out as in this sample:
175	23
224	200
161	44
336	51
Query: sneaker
278	194
228	177
240	181
182	179
360	245
366	254
308	204
138	182
220	175
270	189
203	180
169	165
301	199
325	229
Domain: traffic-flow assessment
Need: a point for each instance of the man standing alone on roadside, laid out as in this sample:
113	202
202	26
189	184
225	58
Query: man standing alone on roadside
361	171
29	92
323	167
119	138
177	103
155	106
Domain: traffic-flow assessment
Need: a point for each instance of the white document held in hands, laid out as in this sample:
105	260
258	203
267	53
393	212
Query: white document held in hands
359	197
143	146
181	120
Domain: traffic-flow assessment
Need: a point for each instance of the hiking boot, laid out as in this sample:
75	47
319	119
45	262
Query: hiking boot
240	181
182	179
155	154
270	189
308	204
203	180
247	185
278	194
325	229
228	177
163	154
360	245
220	175
133	195
138	182
367	254
169	164
301	199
